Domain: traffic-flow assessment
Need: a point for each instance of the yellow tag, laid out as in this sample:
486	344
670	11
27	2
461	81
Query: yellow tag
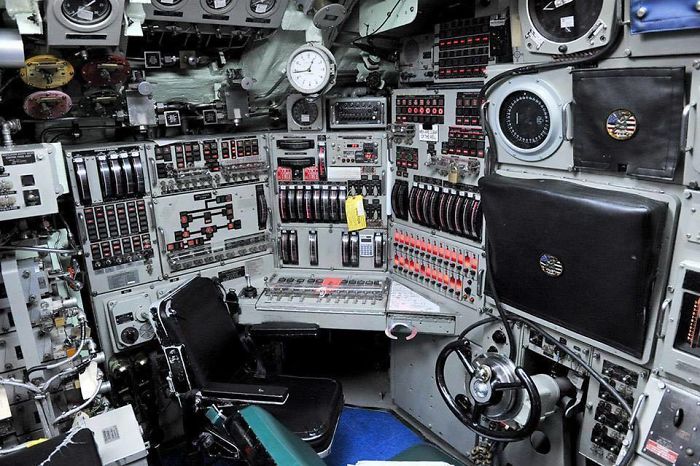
355	213
59	322
31	443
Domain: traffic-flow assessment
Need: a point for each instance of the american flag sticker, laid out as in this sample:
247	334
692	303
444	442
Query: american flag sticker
621	124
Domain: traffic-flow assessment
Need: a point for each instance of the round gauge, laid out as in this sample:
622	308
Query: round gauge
524	119
168	4
564	20
261	7
311	69
86	12
304	113
47	105
146	331
218	6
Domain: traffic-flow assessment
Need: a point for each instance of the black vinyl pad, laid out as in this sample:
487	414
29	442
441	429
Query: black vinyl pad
629	120
579	257
80	450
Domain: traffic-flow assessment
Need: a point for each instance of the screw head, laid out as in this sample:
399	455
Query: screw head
641	12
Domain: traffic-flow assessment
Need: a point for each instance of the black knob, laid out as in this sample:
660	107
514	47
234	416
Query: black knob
678	417
499	337
129	335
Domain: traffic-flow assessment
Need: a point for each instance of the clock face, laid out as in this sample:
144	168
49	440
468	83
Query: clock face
309	71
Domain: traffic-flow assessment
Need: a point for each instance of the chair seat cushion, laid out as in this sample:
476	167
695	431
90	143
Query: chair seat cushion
312	408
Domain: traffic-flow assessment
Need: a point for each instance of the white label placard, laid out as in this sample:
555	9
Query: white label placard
86	15
566	22
429	135
402	298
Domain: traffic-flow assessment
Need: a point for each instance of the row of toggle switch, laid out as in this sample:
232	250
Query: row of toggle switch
447	269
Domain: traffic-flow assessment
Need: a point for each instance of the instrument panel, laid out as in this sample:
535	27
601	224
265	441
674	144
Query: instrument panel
197	229
252	13
191	165
114	213
31	179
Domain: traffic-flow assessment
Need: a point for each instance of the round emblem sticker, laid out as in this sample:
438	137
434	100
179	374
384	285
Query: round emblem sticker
621	124
551	265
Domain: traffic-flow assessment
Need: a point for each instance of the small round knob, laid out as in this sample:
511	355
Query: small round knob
144	88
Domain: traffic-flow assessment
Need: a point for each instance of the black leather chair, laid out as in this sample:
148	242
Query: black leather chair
210	364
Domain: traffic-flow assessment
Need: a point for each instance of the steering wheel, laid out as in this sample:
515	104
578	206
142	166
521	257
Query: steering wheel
496	387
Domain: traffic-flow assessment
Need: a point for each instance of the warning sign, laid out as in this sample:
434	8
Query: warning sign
661	451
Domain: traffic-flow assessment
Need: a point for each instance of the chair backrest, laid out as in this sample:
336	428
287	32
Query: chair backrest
202	323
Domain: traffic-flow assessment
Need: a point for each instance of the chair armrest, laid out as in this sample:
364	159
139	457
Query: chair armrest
252	393
273	330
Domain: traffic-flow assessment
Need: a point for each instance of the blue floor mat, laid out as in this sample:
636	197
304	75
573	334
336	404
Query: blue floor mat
368	434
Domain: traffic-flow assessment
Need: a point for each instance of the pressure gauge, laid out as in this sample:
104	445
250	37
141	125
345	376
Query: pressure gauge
86	12
84	22
304	112
311	69
168	4
146	331
261	7
566	26
564	20
218	6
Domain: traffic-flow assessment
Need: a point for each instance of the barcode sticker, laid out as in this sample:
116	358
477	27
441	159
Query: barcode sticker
110	434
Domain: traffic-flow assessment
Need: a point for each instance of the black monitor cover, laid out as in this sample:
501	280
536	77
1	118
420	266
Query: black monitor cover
580	257
629	120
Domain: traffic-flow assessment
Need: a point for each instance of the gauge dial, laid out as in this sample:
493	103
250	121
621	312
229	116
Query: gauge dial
86	12
218	4
304	113
311	68
262	7
146	331
167	3
564	20
524	119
